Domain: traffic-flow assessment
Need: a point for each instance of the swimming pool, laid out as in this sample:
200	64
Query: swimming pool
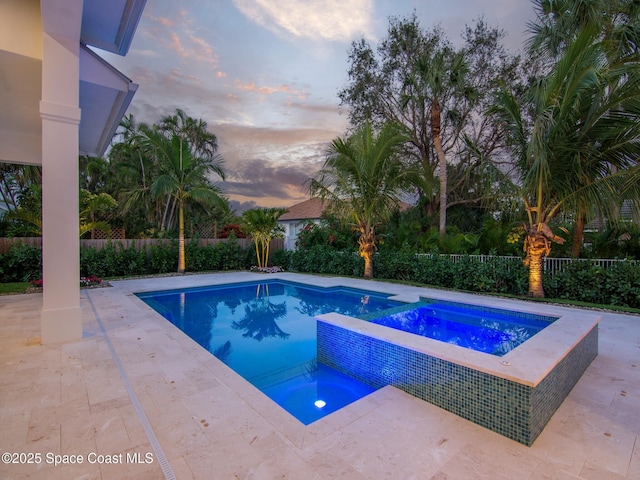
266	332
514	395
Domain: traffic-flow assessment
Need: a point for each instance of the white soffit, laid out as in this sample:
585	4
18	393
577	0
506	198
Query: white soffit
110	24
105	94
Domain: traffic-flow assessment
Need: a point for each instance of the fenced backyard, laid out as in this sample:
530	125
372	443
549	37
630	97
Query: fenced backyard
551	265
599	281
138	243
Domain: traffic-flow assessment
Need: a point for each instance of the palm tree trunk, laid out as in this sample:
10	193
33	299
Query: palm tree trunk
535	276
181	262
172	213
166	211
366	248
255	241
536	248
442	160
578	233
443	186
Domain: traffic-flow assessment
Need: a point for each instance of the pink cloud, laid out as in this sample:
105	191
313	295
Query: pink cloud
202	51
176	45
167	22
175	72
266	90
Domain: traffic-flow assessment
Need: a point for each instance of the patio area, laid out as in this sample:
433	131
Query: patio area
137	398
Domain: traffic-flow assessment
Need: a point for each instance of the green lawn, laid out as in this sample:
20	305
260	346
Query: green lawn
18	287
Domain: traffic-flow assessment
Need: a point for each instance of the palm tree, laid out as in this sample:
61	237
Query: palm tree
184	178
261	224
14	180
558	23
441	76
89	203
583	122
615	25
203	142
362	179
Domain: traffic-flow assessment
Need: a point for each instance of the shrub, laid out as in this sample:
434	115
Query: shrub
21	263
325	259
113	261
163	257
281	258
584	281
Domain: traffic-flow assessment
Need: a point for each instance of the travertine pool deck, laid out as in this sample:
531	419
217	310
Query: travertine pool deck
137	389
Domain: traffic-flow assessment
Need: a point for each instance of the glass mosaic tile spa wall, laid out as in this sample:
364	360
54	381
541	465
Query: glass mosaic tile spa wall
515	409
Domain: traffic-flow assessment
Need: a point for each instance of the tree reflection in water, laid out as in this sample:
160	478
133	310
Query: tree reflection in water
223	351
313	303
259	321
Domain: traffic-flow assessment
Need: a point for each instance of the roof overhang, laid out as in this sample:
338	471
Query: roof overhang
110	25
105	93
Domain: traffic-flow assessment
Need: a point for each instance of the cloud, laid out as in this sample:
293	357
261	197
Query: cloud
193	47
177	33
333	20
270	165
282	185
202	51
177	74
239	207
265	90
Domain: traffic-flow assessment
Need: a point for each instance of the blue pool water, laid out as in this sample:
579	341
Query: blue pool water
266	332
488	330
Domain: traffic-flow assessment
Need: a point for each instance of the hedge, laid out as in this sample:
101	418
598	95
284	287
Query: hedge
618	284
23	262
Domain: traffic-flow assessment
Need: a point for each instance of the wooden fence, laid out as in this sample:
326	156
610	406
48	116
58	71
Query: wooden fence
139	243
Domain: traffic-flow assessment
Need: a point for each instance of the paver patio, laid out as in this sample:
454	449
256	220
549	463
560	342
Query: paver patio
136	385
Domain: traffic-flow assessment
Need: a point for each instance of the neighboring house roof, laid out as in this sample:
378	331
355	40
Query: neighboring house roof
404	206
312	209
307	210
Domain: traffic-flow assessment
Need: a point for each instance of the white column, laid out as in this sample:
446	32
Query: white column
61	316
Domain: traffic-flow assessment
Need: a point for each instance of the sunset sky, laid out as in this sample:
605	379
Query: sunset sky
265	75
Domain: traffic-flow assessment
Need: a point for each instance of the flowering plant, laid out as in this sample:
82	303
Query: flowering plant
90	281
84	281
267	269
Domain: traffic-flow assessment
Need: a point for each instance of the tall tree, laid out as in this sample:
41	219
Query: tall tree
583	122
135	167
15	179
559	22
441	76
363	179
382	88
29	212
615	27
184	178
203	142
131	169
